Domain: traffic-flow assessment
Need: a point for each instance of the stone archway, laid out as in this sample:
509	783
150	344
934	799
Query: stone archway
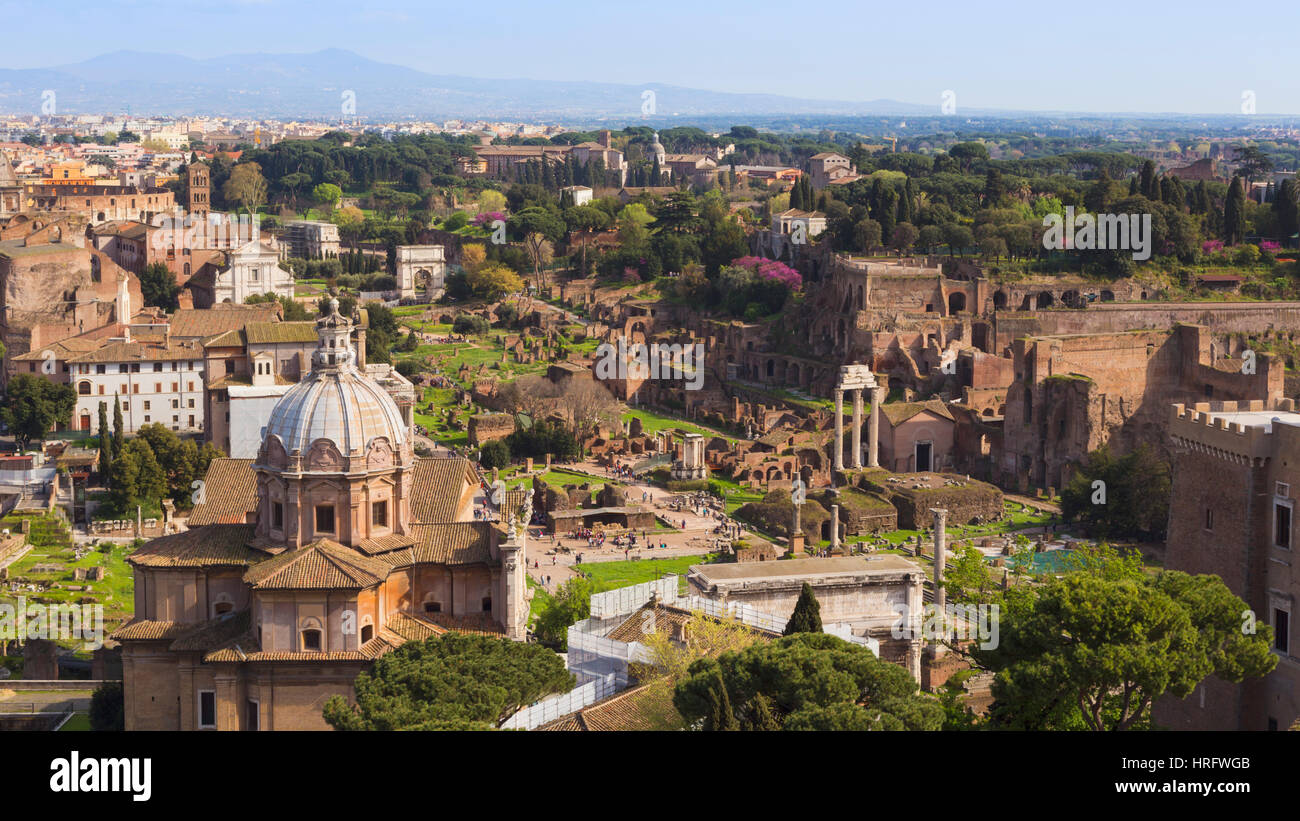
956	303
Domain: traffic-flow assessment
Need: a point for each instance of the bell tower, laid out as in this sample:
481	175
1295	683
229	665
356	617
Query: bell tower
200	188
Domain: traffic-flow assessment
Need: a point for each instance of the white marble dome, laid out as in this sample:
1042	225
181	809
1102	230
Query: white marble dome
336	402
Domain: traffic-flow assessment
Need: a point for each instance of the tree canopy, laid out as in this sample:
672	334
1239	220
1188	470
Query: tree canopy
450	682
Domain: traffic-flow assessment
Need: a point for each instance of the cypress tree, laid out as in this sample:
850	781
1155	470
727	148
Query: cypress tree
105	442
796	195
907	205
119	428
807	615
1234	213
1132	186
1149	189
723	718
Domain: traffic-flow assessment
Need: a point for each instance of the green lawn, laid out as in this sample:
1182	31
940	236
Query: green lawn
79	723
654	422
51	544
611	575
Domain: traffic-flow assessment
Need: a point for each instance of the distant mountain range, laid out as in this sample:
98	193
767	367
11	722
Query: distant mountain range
314	86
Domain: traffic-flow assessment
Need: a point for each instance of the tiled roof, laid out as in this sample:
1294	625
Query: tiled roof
212	546
140	352
321	565
452	543
63	349
267	333
229	493
411	627
898	412
150	630
384	544
648	707
214	633
437	488
201	323
229	339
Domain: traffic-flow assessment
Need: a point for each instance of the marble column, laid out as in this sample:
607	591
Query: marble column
839	430
940	549
873	434
857	429
835	528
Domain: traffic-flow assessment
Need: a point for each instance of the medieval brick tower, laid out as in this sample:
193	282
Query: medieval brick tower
200	185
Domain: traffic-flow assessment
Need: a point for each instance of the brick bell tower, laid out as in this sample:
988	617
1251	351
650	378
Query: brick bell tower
200	189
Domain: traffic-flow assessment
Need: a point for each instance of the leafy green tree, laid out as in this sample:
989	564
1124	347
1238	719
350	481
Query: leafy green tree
33	406
570	605
1132	498
494	454
158	286
535	226
1087	651
807	681
450	682
807	615
108	708
327	194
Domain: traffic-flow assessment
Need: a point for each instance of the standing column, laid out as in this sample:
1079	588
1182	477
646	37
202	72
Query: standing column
835	528
857	429
873	434
940	549
796	530
839	429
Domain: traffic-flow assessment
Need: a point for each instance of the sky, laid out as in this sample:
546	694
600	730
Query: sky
1100	56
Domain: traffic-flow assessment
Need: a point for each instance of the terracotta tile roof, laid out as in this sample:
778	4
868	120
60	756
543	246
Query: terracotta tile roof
215	633
201	323
450	543
438	486
229	339
211	546
150	630
384	544
229	493
411	627
239	380
63	349
268	333
321	565
648	707
899	412
137	351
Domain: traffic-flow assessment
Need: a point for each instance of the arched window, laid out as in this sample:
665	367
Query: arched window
312	636
367	633
83	388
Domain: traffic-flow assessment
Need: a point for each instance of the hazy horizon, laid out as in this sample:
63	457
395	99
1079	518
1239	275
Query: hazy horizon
1115	59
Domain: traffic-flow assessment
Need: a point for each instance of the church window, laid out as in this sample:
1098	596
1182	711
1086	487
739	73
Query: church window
367	633
433	607
207	709
311	640
325	518
277	515
487	604
379	514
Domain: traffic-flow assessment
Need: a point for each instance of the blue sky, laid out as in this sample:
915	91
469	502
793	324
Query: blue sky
1095	56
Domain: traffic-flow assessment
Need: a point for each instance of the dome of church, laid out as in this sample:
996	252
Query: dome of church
336	402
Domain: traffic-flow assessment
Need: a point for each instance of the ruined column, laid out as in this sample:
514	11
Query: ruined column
873	434
835	528
857	429
796	530
940	546
839	429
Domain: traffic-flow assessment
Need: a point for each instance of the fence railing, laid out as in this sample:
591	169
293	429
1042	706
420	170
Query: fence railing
558	706
624	600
